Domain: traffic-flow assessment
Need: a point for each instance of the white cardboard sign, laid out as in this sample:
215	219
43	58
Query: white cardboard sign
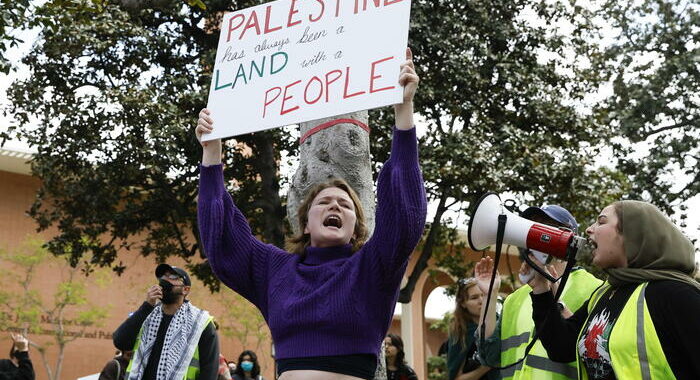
290	61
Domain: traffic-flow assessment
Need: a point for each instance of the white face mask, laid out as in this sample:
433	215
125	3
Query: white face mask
539	256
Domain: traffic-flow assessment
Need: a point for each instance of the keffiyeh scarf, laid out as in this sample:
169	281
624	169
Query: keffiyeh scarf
180	342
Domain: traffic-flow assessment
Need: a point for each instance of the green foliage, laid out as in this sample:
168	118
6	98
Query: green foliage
115	89
437	368
13	16
654	67
197	3
444	323
501	88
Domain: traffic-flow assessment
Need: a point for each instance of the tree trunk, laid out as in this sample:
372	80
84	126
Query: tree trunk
341	151
271	204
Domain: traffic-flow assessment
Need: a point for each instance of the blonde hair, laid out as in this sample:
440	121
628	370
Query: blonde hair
297	244
461	317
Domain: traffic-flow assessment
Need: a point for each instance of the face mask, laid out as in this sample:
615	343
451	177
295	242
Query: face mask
247	366
169	297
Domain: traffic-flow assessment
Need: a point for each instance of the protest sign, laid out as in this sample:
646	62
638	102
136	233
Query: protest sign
289	61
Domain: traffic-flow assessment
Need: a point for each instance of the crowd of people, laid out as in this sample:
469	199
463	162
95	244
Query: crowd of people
329	296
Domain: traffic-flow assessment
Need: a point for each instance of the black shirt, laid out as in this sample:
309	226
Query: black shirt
471	363
403	373
125	338
594	343
674	308
24	371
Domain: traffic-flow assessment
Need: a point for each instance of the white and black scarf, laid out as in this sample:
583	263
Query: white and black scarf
180	342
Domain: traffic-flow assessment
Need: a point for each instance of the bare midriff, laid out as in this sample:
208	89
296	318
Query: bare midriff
306	374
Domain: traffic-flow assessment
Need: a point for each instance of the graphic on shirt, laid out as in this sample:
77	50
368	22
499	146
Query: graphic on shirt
593	347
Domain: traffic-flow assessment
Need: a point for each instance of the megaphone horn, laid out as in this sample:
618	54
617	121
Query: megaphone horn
520	232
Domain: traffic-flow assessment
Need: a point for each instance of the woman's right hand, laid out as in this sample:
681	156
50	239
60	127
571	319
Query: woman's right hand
21	343
211	150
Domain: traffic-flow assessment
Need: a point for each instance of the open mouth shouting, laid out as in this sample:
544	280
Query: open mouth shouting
593	245
333	221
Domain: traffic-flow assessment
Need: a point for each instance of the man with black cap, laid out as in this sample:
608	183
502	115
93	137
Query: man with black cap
171	339
508	337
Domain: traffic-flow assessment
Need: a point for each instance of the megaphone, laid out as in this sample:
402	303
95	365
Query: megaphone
520	232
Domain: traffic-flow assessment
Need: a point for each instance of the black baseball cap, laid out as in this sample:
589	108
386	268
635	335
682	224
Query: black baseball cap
162	268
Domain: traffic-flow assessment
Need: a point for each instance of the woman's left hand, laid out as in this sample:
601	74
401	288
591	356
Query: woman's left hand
408	78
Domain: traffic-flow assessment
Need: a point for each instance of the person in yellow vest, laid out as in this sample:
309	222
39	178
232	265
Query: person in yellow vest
171	339
508	336
645	322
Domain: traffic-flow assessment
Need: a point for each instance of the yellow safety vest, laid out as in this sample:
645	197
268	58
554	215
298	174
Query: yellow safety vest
517	328
635	350
192	369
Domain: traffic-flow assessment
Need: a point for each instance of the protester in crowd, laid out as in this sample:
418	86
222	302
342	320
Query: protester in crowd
18	366
115	369
643	323
380	372
172	338
396	366
248	367
224	373
462	358
232	367
508	337
330	303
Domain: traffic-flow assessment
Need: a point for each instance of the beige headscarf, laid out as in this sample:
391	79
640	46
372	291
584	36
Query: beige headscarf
656	249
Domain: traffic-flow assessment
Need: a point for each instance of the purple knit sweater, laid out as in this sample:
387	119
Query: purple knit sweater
332	301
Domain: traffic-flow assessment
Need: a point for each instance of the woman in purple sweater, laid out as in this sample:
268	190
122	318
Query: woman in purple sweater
328	306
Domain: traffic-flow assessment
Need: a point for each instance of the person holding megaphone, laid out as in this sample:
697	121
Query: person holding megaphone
507	337
643	323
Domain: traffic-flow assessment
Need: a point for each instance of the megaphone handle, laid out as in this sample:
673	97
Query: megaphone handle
538	269
500	233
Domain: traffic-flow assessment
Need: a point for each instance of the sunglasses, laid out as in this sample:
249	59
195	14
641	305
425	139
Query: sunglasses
172	277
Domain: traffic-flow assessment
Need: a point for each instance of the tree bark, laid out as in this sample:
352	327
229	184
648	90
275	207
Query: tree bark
339	151
271	203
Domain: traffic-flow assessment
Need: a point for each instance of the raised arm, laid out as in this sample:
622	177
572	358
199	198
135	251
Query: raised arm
237	258
401	202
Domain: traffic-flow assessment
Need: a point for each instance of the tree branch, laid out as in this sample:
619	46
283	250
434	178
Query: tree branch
667	128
